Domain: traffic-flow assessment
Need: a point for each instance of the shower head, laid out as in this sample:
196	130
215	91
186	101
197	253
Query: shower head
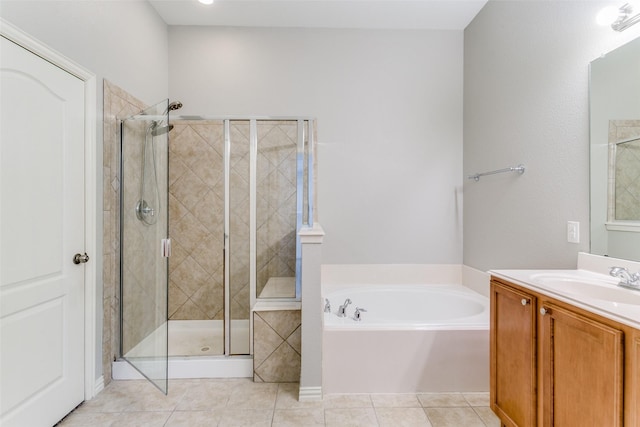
175	105
156	131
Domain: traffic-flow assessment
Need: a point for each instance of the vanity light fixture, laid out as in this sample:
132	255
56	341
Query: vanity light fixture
625	18
207	2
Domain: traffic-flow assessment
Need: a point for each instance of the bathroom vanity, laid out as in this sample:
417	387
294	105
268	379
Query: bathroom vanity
564	349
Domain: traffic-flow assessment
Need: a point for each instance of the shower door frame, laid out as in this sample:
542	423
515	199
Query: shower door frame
253	158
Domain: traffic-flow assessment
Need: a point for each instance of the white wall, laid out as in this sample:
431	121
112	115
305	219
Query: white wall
124	41
526	100
389	110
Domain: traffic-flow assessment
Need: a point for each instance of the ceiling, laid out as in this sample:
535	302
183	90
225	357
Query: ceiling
362	14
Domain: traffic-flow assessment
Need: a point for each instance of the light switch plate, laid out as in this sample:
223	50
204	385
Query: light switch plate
573	232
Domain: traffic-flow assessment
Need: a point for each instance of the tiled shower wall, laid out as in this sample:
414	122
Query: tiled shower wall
624	167
117	104
196	203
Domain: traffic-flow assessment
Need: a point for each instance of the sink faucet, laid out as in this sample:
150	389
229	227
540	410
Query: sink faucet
627	279
343	307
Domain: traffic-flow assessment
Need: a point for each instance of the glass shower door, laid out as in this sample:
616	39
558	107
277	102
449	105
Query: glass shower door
144	245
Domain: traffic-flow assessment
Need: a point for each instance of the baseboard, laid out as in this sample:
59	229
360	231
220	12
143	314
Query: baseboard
307	394
98	386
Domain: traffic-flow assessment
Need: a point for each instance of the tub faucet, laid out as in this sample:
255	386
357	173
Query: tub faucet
327	305
343	307
357	314
627	279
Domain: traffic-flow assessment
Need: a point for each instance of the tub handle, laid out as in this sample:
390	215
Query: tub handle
342	309
357	314
524	301
327	305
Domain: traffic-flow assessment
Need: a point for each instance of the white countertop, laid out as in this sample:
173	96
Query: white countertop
591	291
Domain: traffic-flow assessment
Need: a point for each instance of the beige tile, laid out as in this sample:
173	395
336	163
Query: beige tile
295	340
242	417
93	419
206	396
142	419
402	417
116	397
477	399
194	418
288	398
209	211
283	365
395	401
188	311
487	416
152	399
254	396
188	231
442	400
360	417
284	322
347	401
209	255
176	298
308	417
265	340
209	298
189	276
453	417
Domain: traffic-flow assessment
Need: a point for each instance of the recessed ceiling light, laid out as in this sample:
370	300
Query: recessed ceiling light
206	1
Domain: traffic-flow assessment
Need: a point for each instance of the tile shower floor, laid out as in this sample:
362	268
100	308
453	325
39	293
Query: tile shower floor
241	402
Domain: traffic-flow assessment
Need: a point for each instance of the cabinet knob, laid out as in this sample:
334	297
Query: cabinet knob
543	311
524	301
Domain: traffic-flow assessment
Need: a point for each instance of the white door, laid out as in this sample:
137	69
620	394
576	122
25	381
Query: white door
42	224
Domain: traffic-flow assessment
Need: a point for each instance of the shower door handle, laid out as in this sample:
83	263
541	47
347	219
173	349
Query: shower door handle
80	259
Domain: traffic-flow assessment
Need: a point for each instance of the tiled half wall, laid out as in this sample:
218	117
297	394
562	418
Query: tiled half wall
276	346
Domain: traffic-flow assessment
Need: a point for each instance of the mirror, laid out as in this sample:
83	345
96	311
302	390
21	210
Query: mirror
615	153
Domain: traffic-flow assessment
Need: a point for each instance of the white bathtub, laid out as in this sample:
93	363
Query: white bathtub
412	338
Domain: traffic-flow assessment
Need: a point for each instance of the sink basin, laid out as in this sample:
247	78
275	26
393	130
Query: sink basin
578	285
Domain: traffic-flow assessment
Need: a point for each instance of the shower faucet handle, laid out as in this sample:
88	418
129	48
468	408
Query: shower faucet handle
327	305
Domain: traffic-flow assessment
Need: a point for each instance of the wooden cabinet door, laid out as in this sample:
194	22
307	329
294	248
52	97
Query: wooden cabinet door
632	413
582	370
513	355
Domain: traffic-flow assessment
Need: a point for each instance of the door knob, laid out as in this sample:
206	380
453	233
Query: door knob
79	258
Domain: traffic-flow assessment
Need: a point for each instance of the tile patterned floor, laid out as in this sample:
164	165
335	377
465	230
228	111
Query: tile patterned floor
241	402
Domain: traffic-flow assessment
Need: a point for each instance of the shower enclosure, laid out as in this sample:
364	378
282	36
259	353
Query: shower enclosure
232	194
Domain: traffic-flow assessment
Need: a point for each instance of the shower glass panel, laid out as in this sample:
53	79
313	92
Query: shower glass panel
144	228
196	227
238	235
276	208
